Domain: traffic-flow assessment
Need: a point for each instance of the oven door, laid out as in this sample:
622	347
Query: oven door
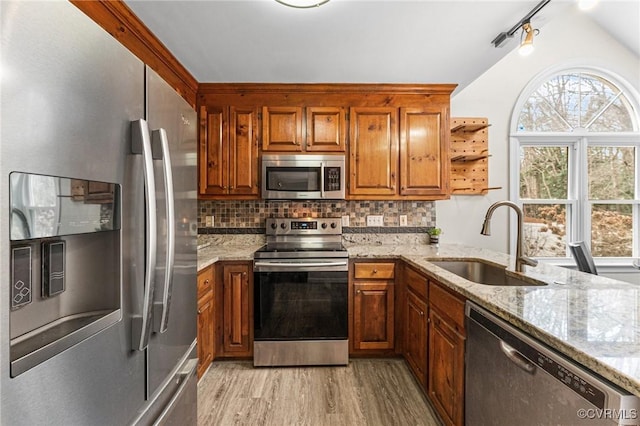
296	305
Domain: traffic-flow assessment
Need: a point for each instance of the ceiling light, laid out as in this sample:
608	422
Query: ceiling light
587	4
526	39
303	4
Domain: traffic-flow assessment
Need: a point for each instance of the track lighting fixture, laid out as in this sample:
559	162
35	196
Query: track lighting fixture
526	39
502	38
303	4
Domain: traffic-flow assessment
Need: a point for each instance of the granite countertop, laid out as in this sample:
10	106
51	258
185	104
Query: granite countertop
591	319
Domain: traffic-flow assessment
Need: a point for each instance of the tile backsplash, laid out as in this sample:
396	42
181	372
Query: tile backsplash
252	214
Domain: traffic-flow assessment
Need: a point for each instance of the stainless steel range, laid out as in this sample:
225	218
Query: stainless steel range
300	294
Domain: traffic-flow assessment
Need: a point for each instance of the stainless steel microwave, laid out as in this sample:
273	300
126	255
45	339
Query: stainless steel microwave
306	177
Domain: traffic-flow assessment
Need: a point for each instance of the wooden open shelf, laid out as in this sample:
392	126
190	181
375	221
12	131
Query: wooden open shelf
469	156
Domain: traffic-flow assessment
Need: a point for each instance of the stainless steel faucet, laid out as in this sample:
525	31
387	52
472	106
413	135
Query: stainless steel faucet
521	260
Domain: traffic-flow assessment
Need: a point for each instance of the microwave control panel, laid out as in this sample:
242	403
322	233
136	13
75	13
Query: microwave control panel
332	179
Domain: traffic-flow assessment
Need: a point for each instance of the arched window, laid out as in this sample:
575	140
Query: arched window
576	165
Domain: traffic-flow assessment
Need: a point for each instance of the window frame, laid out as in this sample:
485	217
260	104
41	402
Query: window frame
578	205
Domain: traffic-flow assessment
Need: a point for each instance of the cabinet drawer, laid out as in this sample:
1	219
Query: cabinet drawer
416	282
205	281
448	305
382	271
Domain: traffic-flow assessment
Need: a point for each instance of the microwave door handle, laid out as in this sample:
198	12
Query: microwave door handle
322	180
141	145
160	145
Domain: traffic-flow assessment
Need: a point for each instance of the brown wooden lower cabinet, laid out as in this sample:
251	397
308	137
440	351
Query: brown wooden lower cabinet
236	313
433	333
415	335
372	306
373	313
205	320
446	354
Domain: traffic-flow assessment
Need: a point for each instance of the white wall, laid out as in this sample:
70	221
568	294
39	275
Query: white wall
572	40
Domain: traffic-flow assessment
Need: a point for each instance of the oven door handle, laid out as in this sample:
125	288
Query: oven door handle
300	264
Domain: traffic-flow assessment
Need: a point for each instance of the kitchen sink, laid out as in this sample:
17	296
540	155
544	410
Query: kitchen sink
485	273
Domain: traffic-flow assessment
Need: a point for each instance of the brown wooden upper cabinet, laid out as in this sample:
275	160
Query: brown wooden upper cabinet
424	152
228	156
373	151
284	130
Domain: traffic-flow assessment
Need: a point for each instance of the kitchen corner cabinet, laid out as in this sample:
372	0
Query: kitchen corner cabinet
235	312
416	327
228	154
373	307
446	354
205	320
322	130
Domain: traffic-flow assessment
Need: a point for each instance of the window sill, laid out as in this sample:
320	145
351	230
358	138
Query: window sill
609	265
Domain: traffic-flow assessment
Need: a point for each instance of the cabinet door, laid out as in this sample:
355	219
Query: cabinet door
373	313
446	370
373	151
205	333
214	151
243	160
281	128
424	148
236	338
415	336
326	128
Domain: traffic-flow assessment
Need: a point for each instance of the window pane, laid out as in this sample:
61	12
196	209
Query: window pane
545	230
576	100
611	230
611	172
543	172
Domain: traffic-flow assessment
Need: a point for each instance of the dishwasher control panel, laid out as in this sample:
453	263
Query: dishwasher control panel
569	378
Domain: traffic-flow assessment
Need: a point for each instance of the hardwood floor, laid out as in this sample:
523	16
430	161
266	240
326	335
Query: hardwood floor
367	392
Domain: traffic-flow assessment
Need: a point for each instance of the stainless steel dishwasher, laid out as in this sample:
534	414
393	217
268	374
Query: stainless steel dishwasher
512	379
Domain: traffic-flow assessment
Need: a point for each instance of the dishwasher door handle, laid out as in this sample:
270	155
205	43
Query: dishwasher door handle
517	358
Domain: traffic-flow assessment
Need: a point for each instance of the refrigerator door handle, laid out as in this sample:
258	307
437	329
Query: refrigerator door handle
160	145
141	145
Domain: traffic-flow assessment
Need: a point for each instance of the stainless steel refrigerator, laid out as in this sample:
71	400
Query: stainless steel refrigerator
97	228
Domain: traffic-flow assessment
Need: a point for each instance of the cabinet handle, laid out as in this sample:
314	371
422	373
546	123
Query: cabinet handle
206	281
358	291
244	274
375	271
421	313
199	311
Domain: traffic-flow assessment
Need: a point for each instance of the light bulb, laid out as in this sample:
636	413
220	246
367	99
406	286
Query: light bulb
587	4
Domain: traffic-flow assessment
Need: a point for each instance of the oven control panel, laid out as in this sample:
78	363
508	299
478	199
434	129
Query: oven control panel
304	226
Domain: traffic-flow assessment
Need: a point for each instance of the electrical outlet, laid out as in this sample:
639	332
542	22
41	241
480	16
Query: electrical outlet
375	220
403	220
345	220
209	221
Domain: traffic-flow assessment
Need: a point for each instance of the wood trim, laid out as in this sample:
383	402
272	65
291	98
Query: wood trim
120	21
276	88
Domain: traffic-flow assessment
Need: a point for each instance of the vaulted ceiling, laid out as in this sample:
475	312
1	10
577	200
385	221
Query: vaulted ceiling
355	41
